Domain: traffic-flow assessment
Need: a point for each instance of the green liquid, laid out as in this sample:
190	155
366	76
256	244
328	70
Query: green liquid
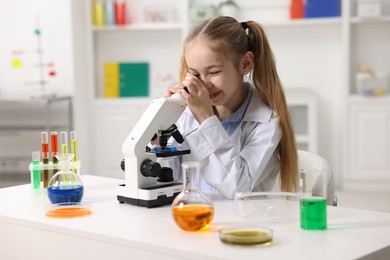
313	214
36	176
246	237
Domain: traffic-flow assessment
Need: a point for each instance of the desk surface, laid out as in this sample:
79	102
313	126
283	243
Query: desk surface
122	230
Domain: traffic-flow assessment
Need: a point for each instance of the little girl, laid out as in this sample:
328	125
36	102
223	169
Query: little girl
239	130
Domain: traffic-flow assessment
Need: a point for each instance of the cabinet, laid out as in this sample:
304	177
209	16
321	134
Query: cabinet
368	142
367	40
157	44
304	114
112	126
21	123
367	131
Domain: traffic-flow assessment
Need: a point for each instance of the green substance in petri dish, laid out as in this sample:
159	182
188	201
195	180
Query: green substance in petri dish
246	237
313	213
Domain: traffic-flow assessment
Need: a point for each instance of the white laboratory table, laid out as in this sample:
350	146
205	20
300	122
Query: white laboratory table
122	231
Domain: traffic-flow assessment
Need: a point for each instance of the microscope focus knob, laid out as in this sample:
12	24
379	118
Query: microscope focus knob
123	164
150	168
166	175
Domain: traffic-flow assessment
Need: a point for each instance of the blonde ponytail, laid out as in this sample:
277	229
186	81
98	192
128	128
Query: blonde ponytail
265	78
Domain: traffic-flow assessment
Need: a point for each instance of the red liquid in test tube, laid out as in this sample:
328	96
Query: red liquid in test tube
120	12
54	149
45	157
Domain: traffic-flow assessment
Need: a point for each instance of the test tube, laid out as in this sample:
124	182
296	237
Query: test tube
36	176
54	149
45	157
73	146
64	143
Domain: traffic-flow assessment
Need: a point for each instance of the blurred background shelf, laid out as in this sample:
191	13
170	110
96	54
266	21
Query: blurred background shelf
21	123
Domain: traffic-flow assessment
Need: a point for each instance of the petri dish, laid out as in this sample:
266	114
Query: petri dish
68	210
268	206
246	234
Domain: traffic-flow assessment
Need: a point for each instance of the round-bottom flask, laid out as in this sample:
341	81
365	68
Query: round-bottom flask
192	210
65	186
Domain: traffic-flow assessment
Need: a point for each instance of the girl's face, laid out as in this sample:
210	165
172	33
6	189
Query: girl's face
222	78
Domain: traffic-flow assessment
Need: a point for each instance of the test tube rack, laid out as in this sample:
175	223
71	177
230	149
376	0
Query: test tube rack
74	165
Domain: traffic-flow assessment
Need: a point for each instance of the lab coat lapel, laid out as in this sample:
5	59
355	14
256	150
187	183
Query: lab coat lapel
258	111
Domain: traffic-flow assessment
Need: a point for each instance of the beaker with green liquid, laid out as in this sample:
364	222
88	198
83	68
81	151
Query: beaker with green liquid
313	205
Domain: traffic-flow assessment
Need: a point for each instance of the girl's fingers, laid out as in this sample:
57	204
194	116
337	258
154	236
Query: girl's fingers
171	90
184	93
192	83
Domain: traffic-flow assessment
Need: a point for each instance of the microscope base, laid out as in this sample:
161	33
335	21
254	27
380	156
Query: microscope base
149	198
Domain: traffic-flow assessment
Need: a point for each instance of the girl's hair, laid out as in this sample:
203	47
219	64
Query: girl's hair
226	35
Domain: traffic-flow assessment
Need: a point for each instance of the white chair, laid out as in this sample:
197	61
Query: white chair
309	160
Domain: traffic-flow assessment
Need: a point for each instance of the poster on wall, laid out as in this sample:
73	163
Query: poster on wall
35	48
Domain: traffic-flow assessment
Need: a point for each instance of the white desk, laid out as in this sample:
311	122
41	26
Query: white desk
122	231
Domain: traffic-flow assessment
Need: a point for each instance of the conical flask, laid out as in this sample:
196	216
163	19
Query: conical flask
192	210
65	186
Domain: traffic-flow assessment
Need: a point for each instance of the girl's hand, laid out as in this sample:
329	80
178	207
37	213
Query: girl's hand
197	99
171	90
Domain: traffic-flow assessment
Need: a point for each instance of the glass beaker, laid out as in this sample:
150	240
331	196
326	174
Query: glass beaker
313	212
192	210
65	186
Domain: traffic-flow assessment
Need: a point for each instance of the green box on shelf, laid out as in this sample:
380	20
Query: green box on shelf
134	79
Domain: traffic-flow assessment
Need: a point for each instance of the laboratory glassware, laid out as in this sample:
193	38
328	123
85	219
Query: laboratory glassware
192	209
45	157
65	186
268	206
313	205
246	234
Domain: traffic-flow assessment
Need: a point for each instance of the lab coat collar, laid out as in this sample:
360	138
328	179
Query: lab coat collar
258	111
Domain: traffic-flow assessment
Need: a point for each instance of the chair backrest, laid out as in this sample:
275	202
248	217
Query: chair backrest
309	160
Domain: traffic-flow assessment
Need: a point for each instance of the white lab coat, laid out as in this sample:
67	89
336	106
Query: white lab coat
246	161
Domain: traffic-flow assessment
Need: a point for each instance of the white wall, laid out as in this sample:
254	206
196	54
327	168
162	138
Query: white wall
80	71
311	57
18	20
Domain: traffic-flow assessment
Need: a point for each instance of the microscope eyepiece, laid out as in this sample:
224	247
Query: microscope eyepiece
178	137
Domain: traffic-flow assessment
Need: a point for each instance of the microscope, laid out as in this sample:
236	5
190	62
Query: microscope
146	182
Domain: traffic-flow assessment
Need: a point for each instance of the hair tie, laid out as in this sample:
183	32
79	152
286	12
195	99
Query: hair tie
244	25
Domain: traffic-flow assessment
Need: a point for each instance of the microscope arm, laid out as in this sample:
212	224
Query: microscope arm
139	188
161	114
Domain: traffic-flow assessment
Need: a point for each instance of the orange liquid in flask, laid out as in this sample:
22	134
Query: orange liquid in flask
193	217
